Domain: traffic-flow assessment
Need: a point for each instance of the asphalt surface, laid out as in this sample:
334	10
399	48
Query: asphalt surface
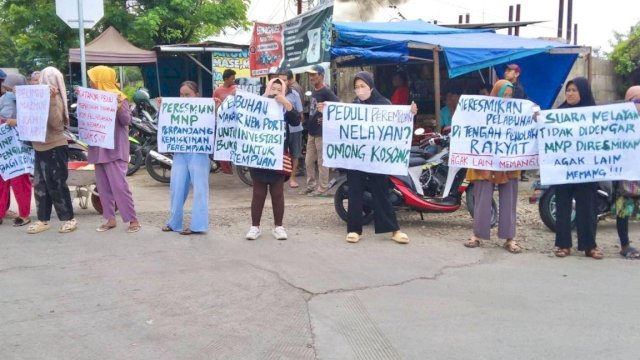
155	295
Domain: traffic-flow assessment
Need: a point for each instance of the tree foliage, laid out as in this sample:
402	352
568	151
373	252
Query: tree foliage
626	56
32	36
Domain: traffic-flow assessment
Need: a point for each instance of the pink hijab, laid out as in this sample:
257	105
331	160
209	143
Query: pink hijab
268	88
632	93
54	78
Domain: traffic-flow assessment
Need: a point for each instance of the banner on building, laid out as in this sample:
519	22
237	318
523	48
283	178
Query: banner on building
236	61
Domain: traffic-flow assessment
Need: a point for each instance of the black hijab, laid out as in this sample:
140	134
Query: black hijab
376	98
584	89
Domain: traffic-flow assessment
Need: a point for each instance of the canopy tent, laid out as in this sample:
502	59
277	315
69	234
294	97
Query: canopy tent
111	47
545	64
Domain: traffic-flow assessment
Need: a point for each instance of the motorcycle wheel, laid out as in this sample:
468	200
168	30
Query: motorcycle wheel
158	171
471	201
135	158
341	204
244	174
77	155
547	209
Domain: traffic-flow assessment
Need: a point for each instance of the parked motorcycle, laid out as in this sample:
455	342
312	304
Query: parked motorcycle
422	189
545	196
77	149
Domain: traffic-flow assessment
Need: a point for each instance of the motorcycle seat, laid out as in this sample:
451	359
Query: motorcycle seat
417	161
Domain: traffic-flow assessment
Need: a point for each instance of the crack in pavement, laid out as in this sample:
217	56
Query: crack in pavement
309	295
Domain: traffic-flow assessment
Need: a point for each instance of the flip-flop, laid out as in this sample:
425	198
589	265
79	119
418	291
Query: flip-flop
104	227
630	253
294	185
134	228
21	222
191	232
166	228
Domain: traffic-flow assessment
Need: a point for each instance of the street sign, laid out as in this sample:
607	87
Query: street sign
92	12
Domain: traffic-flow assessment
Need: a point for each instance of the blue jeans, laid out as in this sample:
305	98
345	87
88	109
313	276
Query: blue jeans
190	169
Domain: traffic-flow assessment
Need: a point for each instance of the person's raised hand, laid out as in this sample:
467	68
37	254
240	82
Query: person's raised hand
414	108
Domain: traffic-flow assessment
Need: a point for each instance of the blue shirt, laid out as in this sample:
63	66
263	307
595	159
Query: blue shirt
294	99
445	117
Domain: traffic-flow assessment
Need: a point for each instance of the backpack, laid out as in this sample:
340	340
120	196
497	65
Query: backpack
629	188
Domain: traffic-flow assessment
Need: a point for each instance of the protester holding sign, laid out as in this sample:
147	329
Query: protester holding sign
189	169
578	94
111	164
271	180
384	215
484	182
627	203
51	156
20	184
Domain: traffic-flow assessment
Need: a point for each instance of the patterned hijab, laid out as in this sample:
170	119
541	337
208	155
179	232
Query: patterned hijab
54	78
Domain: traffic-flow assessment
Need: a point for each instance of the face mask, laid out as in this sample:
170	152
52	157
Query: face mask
363	94
272	96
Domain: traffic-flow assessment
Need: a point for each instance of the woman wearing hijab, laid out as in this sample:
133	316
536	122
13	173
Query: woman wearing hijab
272	180
625	207
21	185
188	168
384	215
111	164
484	182
50	168
578	94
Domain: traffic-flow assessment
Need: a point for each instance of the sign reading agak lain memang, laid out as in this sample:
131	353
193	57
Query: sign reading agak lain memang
587	144
491	133
186	125
371	138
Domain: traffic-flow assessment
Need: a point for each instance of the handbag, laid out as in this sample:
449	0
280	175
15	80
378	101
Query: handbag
287	164
630	188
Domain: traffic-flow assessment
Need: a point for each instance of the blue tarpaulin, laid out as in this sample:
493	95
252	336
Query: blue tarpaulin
462	50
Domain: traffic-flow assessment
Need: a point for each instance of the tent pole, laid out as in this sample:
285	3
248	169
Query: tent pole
436	86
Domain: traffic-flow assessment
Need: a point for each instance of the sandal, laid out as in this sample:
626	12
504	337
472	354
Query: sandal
21	222
190	232
594	253
353	237
630	253
38	227
133	228
512	246
105	227
68	226
166	228
400	237
473	242
293	184
562	252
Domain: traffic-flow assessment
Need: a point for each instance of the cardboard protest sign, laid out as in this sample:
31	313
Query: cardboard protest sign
15	158
491	133
250	131
186	125
587	144
32	105
371	138
97	117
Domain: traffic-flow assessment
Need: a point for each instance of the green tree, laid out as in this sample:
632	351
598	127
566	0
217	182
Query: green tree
32	36
626	56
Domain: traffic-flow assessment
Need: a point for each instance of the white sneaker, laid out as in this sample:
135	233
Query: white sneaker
254	233
279	233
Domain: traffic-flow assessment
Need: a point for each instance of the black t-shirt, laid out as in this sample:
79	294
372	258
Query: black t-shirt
518	91
318	96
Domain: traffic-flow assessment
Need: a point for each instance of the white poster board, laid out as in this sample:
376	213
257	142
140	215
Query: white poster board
250	131
97	117
15	158
371	138
32	105
491	133
186	125
588	144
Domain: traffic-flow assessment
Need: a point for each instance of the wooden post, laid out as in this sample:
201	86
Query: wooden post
436	86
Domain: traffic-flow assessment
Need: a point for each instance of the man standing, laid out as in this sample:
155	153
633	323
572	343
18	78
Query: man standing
320	94
295	132
512	74
227	88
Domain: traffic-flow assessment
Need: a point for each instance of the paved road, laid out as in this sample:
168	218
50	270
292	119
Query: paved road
154	295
